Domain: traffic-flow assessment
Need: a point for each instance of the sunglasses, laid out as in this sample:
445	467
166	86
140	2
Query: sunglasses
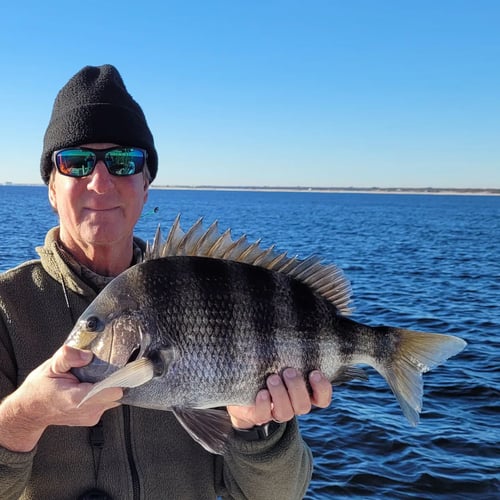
80	162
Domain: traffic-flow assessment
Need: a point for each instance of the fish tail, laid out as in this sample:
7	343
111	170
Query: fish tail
415	354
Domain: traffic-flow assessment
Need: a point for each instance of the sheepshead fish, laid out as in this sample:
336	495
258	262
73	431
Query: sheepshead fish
204	320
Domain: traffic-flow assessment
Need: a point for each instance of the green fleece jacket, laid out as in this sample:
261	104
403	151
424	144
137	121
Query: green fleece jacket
145	454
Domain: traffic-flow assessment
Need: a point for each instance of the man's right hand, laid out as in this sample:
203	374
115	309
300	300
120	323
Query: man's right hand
50	396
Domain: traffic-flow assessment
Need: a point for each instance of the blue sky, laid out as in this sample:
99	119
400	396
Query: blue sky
279	93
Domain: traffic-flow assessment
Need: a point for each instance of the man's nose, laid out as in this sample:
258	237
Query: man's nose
100	179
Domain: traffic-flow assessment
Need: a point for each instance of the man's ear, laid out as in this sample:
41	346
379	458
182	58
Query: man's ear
52	194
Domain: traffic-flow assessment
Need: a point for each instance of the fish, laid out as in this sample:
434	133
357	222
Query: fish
204	319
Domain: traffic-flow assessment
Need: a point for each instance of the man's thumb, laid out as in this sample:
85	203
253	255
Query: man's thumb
68	357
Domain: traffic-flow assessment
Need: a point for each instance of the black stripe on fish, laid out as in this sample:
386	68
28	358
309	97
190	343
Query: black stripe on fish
255	333
215	277
307	324
384	347
349	344
261	288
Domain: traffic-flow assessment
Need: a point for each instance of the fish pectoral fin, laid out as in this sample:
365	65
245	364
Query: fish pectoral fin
209	427
347	373
131	375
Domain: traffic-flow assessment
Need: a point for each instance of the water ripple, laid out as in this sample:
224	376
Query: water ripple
430	263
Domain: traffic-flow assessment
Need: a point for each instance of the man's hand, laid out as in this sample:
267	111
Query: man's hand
283	399
50	396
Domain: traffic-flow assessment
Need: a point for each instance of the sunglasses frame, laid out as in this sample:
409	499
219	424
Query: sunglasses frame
99	155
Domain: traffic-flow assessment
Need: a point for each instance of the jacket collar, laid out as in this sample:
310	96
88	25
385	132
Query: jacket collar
57	263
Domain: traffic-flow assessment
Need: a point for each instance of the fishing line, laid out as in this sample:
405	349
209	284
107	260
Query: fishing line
151	212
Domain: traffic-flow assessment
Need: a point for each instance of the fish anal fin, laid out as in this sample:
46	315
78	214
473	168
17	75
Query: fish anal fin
208	427
348	373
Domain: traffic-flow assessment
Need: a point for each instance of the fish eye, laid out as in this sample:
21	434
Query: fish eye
93	324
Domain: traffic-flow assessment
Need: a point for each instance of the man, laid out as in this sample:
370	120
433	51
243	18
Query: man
98	161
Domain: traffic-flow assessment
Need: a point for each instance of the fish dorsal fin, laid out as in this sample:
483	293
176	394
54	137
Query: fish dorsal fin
326	279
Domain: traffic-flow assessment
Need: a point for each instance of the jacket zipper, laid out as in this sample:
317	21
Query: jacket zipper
136	490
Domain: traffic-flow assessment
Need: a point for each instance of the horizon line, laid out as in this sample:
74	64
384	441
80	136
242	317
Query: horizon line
299	188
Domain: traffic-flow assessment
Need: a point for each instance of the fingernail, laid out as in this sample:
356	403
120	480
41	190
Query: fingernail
86	355
290	373
263	396
315	376
274	380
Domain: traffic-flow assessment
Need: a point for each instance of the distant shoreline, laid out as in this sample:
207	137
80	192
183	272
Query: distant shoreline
302	189
373	190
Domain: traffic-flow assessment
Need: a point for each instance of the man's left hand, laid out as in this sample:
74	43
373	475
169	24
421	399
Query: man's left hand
284	398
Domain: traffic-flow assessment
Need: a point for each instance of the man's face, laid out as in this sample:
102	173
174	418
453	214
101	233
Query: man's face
99	209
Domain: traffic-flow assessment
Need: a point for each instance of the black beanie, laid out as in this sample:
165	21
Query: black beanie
94	106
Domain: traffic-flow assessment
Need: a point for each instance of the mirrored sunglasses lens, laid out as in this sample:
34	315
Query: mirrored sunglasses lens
125	161
75	163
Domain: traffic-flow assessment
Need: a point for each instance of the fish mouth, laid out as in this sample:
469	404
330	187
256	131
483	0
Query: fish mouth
112	359
95	371
99	369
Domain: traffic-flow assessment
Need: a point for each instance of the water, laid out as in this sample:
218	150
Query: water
419	261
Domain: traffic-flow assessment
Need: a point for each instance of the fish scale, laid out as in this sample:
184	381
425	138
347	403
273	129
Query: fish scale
212	328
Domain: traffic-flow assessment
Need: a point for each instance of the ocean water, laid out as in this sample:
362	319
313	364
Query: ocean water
422	262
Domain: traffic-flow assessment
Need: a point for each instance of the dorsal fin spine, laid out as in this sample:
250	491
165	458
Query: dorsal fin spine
325	279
